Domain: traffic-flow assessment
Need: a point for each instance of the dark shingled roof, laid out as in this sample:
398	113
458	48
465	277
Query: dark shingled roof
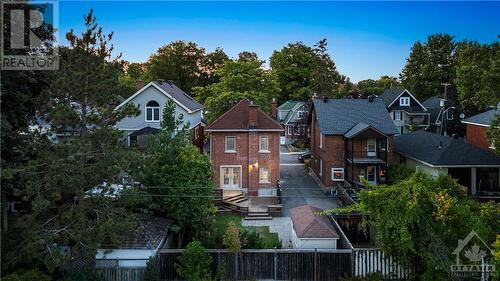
236	118
338	116
179	95
145	131
439	150
389	95
433	106
308	225
484	118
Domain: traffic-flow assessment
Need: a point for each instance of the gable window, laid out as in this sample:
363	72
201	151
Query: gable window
404	101
302	114
264	175
449	114
263	143
337	174
152	111
397	115
230	144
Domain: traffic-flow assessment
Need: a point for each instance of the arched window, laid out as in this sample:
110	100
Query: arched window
152	111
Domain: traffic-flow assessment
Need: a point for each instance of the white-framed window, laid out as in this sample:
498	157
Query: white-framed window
264	175
371	147
152	111
397	115
263	143
337	174
289	130
404	101
230	144
302	113
230	176
449	114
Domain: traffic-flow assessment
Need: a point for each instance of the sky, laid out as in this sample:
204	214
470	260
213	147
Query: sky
365	39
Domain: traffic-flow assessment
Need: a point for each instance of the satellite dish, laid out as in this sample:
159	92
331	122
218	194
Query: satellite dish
462	116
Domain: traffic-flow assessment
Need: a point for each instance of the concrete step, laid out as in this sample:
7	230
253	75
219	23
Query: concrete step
239	200
258	214
248	217
234	197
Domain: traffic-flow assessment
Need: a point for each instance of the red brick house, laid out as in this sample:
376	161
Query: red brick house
476	127
350	138
244	149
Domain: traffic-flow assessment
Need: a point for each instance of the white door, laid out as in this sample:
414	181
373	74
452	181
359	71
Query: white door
371	174
230	177
371	147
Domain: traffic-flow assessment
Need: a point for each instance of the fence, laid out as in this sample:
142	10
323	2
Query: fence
282	264
368	261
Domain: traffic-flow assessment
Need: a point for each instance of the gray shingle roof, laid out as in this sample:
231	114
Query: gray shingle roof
433	106
179	95
337	116
484	118
439	150
389	95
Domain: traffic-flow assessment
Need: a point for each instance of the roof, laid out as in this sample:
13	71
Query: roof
433	105
484	118
236	119
439	150
145	131
171	91
291	113
357	129
338	116
288	105
307	225
149	234
389	95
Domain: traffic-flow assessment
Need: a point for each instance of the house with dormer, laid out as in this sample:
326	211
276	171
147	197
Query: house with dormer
407	113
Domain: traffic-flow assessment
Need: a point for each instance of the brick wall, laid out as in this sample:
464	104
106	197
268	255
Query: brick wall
247	155
476	135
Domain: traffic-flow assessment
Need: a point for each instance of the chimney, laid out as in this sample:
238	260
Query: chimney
252	115
371	98
274	109
325	99
139	84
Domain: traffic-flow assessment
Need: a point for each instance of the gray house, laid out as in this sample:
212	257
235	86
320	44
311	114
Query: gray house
292	116
151	100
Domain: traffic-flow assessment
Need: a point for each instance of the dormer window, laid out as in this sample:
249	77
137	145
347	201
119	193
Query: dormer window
152	111
404	101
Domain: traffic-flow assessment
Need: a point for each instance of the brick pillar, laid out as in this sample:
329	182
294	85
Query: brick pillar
252	115
274	109
253	163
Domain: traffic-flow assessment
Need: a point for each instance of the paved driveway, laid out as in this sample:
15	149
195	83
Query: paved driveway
299	188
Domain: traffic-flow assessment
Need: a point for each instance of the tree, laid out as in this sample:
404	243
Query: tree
429	65
55	183
238	80
179	178
493	133
195	263
377	87
247	56
478	74
233	239
135	70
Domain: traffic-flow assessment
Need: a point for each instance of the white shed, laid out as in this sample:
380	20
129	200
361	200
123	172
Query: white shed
312	231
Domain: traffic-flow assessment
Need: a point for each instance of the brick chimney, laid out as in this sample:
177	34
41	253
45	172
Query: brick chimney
274	109
252	115
139	84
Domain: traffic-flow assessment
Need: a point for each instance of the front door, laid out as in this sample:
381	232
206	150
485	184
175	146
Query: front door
371	147
230	177
371	174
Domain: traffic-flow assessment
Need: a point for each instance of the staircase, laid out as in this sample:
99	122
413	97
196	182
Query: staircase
258	215
234	199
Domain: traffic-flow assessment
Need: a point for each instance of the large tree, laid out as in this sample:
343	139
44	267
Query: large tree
429	65
377	87
55	184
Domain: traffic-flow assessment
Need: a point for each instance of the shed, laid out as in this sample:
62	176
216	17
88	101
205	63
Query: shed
311	231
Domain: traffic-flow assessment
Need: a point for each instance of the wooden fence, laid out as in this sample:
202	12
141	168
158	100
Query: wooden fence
373	260
120	273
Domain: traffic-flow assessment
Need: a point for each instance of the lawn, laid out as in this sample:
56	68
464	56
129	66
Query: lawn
256	237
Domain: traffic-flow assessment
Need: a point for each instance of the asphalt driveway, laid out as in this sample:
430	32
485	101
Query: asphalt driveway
299	188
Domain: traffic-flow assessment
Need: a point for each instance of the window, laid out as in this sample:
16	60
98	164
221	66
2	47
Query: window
337	174
302	114
371	172
152	111
320	167
404	101
230	176
264	175
289	129
397	115
449	114
230	144
296	130
371	147
264	143
196	133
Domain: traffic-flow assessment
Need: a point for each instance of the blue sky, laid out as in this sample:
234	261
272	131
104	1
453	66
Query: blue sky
366	39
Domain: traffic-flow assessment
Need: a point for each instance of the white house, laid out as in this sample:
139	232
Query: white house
312	231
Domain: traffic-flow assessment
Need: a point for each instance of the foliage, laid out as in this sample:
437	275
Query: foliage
152	273
300	70
87	274
377	87
178	176
33	274
244	79
496	253
419	220
368	277
397	173
195	263
493	133
233	239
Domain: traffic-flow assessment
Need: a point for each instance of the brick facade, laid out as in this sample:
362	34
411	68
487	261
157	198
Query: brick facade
476	135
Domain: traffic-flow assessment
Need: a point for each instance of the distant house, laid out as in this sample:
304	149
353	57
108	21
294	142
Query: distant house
311	231
139	244
151	100
477	126
405	110
442	116
350	138
434	154
292	115
244	149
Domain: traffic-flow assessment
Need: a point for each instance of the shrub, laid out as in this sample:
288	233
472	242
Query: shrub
195	262
30	275
151	273
397	173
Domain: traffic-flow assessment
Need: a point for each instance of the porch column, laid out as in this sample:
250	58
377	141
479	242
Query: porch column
473	189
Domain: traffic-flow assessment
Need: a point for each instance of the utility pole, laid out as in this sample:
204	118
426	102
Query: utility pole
443	109
446	85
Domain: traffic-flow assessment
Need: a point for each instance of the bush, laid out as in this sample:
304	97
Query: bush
397	173
195	263
152	273
81	275
30	275
368	277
